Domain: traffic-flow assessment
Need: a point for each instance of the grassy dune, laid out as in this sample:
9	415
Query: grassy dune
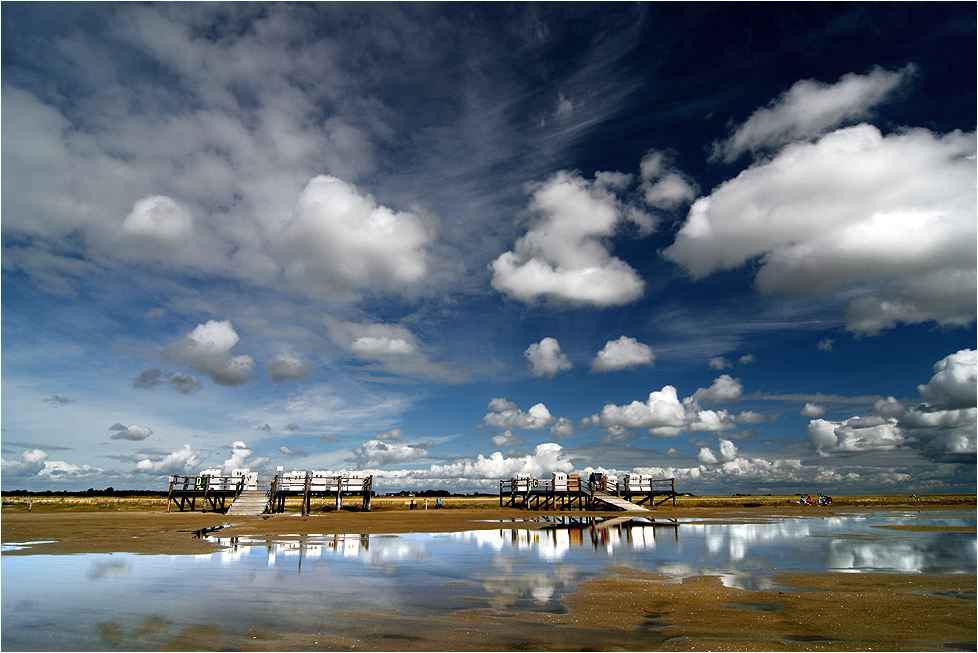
85	503
403	503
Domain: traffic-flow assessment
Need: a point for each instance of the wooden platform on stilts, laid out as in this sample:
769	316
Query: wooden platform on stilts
571	493
248	495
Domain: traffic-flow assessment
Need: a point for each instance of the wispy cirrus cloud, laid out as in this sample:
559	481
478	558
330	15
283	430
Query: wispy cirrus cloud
810	108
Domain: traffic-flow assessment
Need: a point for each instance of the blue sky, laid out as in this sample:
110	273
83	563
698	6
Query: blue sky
733	244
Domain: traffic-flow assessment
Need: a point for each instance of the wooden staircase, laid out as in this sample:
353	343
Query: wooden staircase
249	502
617	502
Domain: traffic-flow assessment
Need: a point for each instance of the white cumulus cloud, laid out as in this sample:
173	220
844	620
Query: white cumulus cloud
751	417
507	415
373	339
955	381
893	214
943	435
719	363
944	426
941	428
240	453
288	367
393	348
208	349
546	359
342	239
183	461
854	435
564	256
663	185
562	427
622	354
31	463
726	452
507	439
546	458
663	414
617	433
813	410
724	388
159	220
131	432
375	453
394	435
709	420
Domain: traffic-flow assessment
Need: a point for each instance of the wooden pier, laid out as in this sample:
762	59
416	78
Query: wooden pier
245	494
315	484
569	492
214	493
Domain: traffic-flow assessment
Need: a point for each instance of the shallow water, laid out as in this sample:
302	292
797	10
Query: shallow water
300	583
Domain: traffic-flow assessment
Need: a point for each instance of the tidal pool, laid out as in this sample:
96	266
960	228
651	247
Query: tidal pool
301	584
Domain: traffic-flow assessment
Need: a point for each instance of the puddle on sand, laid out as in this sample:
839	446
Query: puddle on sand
305	584
21	546
964	595
205	532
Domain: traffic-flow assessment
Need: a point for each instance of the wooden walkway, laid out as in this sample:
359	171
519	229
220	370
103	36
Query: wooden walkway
618	502
250	502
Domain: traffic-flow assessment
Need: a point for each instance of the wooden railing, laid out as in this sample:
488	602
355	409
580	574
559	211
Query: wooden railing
205	482
515	486
308	484
307	481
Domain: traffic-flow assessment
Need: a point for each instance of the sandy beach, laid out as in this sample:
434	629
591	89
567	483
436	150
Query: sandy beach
627	609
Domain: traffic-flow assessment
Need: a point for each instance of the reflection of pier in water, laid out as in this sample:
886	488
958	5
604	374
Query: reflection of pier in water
253	585
564	532
557	535
743	554
310	545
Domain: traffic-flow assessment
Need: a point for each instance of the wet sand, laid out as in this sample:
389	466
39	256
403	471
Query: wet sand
627	610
